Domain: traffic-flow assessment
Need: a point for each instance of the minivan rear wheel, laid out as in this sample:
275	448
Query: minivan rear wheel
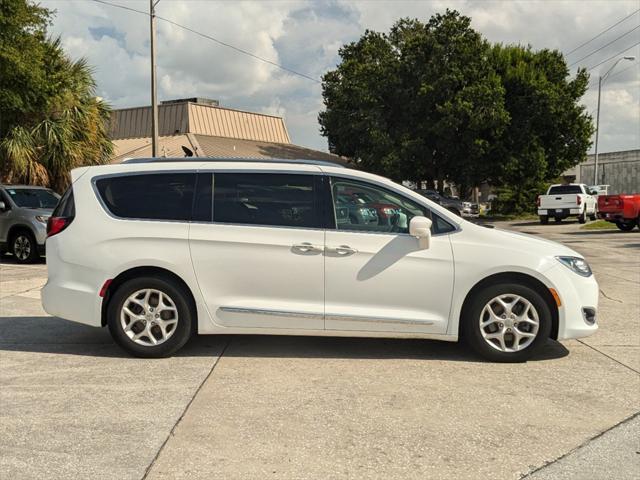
507	322
150	317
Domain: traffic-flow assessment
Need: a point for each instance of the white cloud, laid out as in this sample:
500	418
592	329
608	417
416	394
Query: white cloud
306	36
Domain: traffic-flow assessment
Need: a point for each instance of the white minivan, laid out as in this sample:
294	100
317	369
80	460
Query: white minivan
157	249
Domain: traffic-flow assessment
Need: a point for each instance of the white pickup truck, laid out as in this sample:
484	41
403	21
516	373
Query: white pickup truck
562	201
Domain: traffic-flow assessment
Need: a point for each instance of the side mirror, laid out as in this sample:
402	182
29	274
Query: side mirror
3	206
420	227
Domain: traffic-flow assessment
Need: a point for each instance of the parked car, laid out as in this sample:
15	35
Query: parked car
563	201
24	211
623	210
454	205
470	209
159	249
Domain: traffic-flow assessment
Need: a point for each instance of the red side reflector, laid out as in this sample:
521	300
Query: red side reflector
103	290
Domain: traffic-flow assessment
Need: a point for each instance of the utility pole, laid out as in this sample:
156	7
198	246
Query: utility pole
154	92
595	165
601	80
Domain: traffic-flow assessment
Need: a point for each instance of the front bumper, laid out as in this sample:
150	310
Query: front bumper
577	316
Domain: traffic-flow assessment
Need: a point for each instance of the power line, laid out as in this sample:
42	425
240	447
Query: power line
603	32
613	56
624	70
219	42
605	45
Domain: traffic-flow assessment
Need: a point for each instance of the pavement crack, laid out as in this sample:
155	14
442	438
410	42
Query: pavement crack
610	298
184	412
583	444
609	357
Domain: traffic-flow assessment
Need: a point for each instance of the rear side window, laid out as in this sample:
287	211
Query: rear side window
564	189
154	196
66	206
284	200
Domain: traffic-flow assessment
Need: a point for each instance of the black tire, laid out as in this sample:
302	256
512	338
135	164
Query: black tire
544	219
593	217
582	218
24	247
470	322
183	329
557	219
626	226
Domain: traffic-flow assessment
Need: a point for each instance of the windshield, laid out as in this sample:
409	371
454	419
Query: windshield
33	197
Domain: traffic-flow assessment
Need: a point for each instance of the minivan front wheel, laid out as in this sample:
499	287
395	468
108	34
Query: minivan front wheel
150	317
507	322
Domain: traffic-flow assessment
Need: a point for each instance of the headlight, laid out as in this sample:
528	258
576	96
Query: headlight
578	265
42	219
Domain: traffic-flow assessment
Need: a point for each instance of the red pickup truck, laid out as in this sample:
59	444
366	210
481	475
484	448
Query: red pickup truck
623	210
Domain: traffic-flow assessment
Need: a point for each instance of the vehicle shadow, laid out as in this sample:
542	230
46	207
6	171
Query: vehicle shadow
51	335
7	258
600	232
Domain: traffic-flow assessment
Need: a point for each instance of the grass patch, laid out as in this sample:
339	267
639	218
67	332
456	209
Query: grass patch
506	218
599	225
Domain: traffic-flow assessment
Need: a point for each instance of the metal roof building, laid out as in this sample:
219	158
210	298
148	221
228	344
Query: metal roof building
207	130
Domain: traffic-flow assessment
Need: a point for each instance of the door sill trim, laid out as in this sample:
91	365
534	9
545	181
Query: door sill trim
359	318
329	316
275	313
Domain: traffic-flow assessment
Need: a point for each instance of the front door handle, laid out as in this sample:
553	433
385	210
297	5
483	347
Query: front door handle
342	250
306	247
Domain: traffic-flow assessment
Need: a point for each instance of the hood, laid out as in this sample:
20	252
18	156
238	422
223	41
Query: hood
525	243
44	212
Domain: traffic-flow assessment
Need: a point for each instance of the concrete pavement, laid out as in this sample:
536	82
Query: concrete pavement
73	406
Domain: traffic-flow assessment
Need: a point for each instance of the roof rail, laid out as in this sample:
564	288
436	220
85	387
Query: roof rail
325	163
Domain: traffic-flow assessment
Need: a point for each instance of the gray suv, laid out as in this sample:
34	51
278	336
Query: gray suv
24	211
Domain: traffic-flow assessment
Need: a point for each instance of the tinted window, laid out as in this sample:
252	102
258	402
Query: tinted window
266	199
33	197
203	205
156	196
564	189
66	206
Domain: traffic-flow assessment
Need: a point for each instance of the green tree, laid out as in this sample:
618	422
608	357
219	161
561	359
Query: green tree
436	101
50	118
549	130
419	103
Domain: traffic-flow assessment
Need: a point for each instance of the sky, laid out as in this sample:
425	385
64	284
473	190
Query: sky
305	36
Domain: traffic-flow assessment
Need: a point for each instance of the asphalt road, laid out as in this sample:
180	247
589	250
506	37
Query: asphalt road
74	406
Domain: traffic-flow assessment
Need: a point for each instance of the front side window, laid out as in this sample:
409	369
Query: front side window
152	196
33	197
269	199
364	207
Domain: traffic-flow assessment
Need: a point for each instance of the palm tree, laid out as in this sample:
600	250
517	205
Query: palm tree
72	130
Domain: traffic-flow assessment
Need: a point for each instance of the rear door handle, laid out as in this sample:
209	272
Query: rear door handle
306	247
342	250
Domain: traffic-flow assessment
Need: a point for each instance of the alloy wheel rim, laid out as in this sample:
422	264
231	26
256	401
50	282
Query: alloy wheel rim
22	247
149	317
509	323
